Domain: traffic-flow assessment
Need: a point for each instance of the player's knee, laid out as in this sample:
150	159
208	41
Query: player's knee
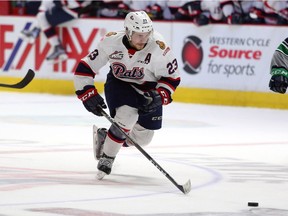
126	116
142	135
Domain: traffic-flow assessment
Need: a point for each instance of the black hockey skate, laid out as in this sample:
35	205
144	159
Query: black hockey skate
104	166
99	136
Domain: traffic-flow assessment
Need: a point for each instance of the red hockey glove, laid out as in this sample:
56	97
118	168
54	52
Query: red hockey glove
165	96
91	99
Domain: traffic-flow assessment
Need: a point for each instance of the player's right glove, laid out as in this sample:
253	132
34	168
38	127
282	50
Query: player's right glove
279	80
91	99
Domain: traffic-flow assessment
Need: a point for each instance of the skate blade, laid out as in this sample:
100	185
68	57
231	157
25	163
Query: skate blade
29	40
60	59
95	128
100	175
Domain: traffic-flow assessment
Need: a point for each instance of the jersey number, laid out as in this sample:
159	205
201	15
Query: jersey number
172	66
93	54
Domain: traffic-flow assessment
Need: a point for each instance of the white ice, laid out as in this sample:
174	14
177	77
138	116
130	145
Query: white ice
232	155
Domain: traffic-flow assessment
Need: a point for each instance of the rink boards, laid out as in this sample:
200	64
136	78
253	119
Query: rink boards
219	64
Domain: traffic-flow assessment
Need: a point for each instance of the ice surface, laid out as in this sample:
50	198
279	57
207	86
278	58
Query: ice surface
232	156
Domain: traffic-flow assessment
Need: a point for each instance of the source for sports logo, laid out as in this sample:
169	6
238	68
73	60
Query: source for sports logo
192	54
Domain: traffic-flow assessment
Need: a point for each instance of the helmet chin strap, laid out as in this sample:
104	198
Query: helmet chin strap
129	36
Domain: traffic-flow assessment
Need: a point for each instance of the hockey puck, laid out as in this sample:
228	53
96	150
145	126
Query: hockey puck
253	204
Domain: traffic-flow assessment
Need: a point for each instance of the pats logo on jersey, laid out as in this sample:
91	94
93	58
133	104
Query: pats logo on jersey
116	55
192	54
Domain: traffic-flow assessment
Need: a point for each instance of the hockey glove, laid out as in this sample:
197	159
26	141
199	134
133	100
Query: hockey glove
155	99
279	80
91	99
278	83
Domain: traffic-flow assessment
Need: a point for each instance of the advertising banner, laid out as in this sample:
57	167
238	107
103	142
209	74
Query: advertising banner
226	57
215	56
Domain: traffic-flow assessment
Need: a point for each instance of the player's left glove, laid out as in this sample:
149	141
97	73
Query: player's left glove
279	80
155	99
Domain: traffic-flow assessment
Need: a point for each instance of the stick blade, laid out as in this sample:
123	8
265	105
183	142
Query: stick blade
27	79
186	188
24	82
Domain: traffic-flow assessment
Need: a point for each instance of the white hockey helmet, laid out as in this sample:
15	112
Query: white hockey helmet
137	21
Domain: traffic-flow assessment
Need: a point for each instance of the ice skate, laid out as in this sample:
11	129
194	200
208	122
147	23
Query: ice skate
104	166
99	135
30	36
58	55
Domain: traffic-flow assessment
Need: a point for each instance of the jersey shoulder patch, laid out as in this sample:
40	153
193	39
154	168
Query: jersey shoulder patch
110	34
161	44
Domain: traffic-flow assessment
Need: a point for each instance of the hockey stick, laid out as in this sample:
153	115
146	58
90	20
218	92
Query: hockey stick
24	82
186	188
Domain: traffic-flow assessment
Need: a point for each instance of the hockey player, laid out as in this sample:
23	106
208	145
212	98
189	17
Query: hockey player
143	76
279	68
31	35
54	14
